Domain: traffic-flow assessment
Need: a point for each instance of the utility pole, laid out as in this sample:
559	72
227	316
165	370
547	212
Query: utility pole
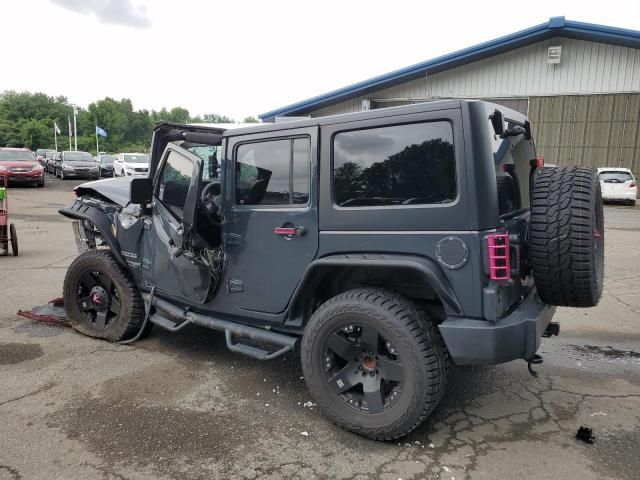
75	127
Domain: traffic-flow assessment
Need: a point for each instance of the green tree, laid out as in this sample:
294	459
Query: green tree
250	119
216	118
26	119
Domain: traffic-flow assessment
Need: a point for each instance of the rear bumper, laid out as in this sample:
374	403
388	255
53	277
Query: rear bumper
624	195
482	342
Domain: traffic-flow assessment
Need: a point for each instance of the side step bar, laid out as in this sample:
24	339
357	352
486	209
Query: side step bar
174	318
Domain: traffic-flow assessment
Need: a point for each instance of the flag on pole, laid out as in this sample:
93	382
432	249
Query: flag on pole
70	127
56	128
101	132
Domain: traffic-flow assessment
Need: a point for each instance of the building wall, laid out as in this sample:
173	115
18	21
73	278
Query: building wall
589	130
584	111
585	68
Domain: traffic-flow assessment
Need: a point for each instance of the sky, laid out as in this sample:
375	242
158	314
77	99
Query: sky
242	57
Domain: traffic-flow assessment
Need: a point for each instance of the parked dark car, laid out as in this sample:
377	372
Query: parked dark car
20	167
77	165
385	244
106	164
49	161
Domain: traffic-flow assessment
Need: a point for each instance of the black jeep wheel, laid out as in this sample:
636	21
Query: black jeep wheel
100	299
372	364
567	236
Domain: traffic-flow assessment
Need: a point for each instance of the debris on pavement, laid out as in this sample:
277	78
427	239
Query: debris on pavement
586	435
52	313
304	434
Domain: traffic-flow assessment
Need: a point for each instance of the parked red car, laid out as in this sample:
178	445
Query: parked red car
19	165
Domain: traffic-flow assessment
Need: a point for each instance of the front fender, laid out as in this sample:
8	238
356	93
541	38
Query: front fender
425	270
84	211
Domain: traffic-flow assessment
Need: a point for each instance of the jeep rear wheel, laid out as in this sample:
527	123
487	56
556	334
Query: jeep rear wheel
567	236
371	363
100	299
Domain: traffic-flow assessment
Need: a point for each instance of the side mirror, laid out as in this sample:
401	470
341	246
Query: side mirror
140	191
497	121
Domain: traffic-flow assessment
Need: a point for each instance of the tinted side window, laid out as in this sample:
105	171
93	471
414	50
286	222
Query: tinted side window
399	165
262	173
175	179
274	172
301	167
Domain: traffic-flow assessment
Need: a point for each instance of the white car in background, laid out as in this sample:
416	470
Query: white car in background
131	164
618	184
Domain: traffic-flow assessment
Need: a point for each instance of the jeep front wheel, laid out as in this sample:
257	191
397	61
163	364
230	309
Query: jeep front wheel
372	364
100	299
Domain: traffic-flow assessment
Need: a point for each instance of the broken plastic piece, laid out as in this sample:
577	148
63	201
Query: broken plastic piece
586	435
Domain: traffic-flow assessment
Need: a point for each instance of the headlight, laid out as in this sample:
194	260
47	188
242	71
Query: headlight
93	169
36	168
3	169
67	167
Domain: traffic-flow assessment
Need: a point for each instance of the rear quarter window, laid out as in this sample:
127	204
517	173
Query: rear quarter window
411	164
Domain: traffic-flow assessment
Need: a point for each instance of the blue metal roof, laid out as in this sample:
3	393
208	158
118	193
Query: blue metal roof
555	27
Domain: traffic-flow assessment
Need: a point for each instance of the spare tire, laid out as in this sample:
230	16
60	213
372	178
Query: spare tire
567	236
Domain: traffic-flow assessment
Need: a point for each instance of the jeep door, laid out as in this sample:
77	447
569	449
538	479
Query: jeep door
271	231
167	263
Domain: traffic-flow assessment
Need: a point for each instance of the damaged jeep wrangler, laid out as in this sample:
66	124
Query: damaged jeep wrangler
384	245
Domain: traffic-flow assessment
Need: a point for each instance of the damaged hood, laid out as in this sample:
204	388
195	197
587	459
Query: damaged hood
114	189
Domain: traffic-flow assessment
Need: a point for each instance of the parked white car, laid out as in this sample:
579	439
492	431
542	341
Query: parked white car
618	184
131	164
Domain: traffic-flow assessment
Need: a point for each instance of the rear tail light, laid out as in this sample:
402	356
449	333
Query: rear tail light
499	261
537	162
632	184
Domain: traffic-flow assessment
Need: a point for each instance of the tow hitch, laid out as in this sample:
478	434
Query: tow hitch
553	329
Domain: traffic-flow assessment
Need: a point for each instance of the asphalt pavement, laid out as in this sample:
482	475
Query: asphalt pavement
182	406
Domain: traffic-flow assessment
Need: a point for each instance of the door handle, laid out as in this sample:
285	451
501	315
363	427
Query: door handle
289	232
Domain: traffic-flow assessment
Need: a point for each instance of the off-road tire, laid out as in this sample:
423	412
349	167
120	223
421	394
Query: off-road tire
567	236
419	345
132	311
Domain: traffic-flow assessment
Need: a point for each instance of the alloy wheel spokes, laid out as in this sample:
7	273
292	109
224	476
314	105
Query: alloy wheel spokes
369	338
373	395
362	368
341	346
114	306
101	319
391	370
344	380
88	281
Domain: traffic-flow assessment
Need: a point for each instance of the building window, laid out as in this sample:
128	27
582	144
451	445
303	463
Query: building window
274	172
411	164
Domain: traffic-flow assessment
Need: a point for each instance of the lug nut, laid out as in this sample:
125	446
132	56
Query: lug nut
373	374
